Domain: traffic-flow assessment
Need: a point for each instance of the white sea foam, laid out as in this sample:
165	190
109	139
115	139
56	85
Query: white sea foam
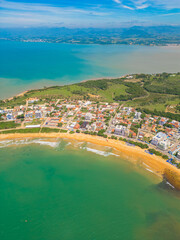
68	143
5	143
78	143
150	170
114	154
28	141
145	164
169	184
102	153
47	143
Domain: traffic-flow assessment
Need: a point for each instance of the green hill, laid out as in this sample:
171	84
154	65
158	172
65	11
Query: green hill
150	91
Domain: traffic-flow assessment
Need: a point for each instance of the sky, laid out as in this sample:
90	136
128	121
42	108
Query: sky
88	13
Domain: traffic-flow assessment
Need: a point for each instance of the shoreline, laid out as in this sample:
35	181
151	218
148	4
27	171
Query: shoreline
100	44
21	94
134	154
18	95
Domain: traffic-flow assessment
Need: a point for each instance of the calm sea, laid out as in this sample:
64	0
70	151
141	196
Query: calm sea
54	192
30	65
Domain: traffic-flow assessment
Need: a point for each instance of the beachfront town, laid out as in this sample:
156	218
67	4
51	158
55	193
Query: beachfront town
109	120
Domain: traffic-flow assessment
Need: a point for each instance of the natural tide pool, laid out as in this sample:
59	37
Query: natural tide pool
72	190
25	65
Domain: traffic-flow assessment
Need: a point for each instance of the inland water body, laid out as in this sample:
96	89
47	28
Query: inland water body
25	65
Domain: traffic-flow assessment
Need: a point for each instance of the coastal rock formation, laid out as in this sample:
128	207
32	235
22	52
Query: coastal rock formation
173	178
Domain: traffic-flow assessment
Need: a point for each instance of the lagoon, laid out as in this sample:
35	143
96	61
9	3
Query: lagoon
25	65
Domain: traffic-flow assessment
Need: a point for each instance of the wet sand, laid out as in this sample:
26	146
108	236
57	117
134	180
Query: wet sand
134	154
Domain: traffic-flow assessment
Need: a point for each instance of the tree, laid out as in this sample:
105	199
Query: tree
20	116
101	132
178	165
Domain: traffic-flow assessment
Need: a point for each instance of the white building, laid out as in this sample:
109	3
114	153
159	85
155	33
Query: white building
137	115
69	106
38	114
72	125
120	130
164	144
33	126
20	113
88	116
158	138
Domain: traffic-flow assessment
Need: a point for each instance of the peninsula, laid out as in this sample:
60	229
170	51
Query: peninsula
136	114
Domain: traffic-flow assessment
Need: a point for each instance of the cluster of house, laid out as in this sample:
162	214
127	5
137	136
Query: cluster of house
89	116
12	114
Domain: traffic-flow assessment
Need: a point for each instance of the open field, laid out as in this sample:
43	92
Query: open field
149	91
7	125
155	101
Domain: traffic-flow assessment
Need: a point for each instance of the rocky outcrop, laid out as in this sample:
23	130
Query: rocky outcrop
173	178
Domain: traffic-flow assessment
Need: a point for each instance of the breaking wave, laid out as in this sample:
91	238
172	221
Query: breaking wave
8	143
99	152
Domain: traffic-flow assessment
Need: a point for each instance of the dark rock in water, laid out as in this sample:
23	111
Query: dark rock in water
173	178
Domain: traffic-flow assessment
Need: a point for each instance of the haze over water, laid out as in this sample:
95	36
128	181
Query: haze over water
69	193
32	65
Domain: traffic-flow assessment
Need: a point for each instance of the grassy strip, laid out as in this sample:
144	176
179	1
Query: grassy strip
141	145
34	130
63	131
49	130
151	150
145	146
26	130
7	125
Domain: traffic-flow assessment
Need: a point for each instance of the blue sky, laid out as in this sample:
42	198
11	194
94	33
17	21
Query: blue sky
88	13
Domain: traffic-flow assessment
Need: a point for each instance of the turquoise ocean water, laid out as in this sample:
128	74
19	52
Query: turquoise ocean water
81	191
30	65
66	192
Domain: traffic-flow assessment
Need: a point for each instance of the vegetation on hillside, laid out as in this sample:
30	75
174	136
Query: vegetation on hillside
150	92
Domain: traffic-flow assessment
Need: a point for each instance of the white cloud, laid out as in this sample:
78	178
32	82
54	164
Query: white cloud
142	4
35	7
166	4
170	14
134	4
117	1
34	14
127	7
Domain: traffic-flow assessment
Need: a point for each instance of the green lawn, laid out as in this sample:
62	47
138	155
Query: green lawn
154	101
34	122
26	130
7	125
49	130
112	91
162	90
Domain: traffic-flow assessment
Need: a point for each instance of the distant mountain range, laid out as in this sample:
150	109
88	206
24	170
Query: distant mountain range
137	34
